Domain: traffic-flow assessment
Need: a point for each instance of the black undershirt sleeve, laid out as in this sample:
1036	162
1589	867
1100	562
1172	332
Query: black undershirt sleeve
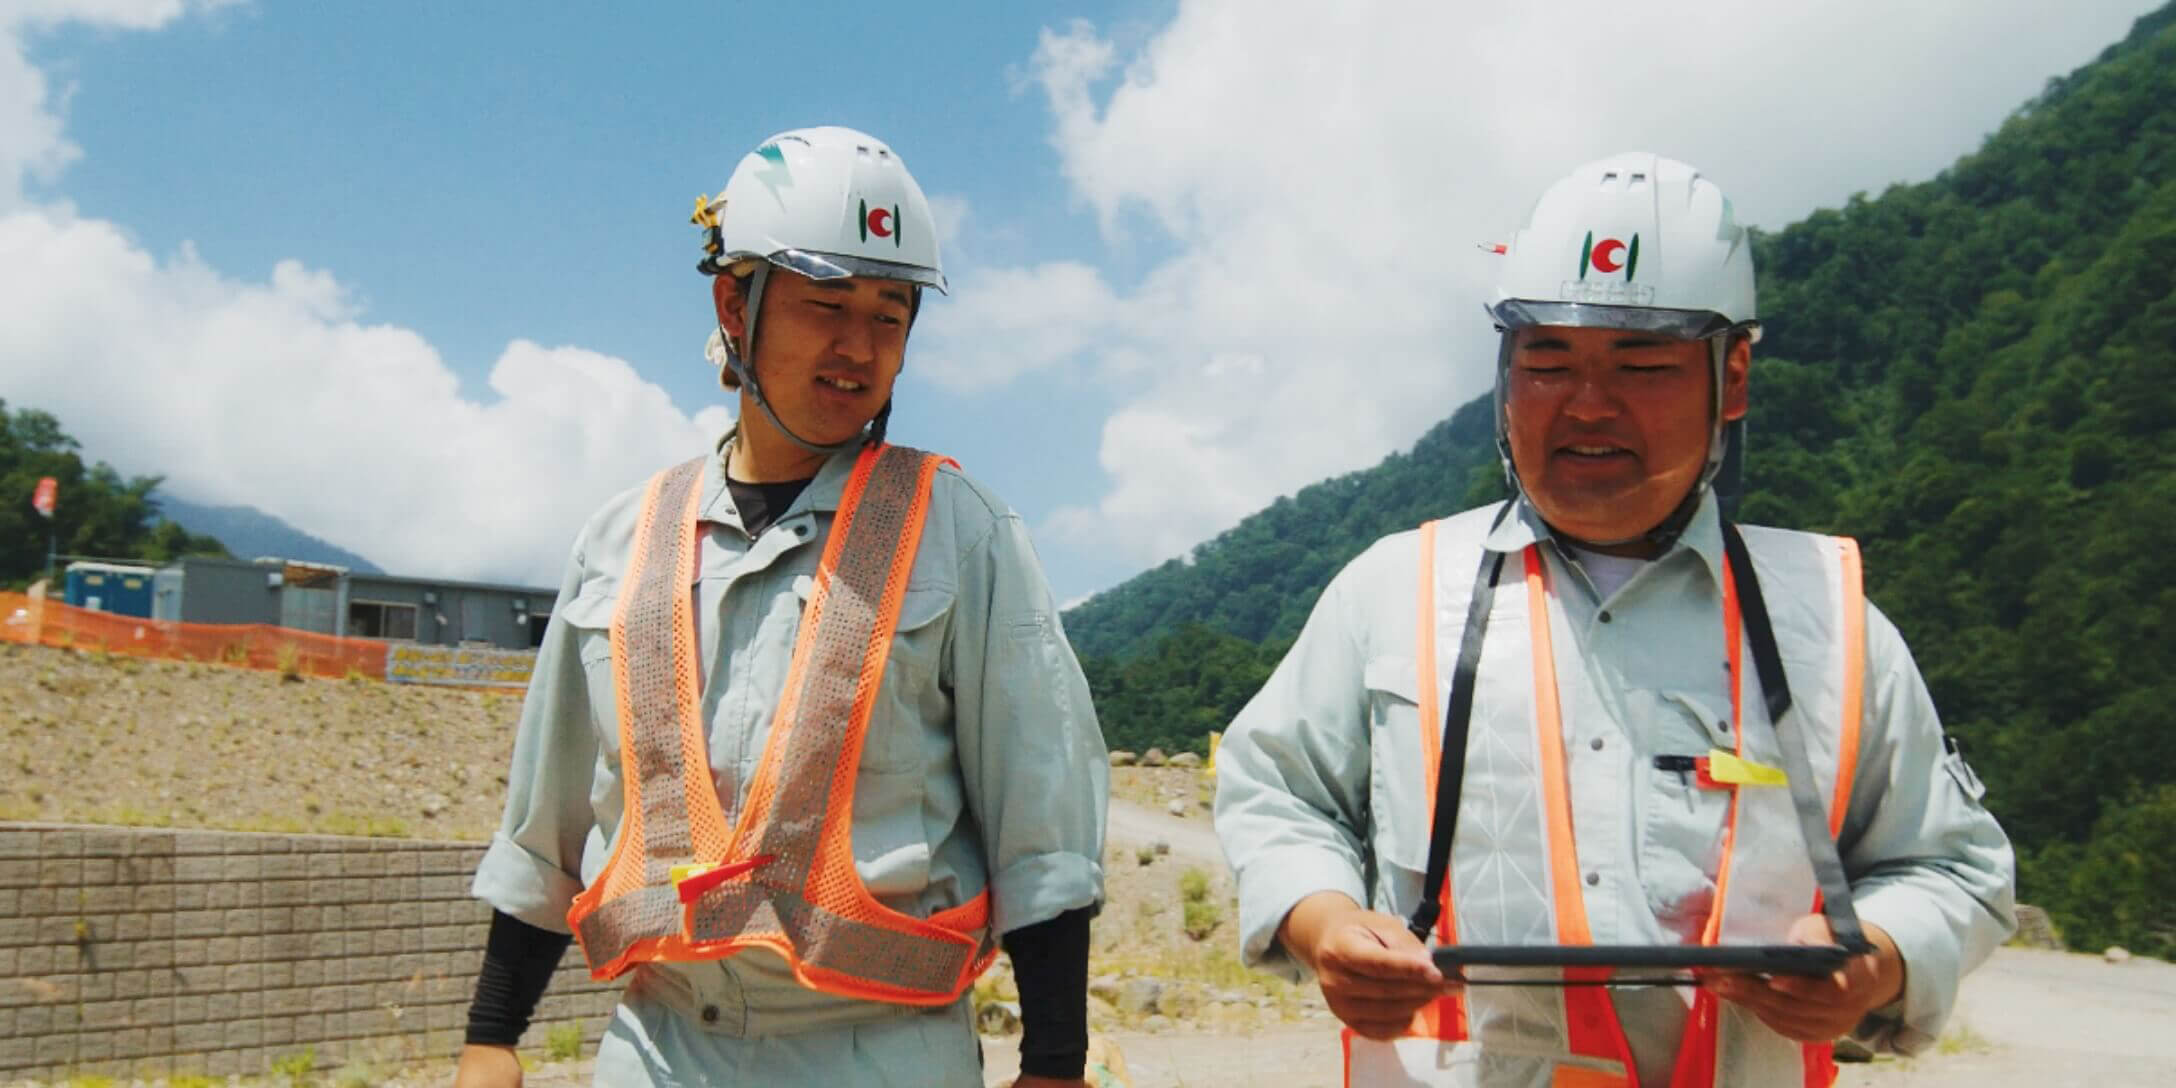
518	963
1050	964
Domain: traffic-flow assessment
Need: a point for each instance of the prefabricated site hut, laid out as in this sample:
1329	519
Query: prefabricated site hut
336	601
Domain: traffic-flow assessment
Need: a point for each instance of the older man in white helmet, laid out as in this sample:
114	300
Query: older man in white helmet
805	741
1602	715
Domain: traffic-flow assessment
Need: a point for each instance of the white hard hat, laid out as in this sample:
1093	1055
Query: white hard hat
1633	241
827	203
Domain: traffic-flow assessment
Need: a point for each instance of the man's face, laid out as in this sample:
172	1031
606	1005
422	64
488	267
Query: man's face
1609	429
827	351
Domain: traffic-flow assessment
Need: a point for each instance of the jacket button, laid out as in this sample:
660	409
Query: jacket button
1593	879
1596	744
710	1014
1604	616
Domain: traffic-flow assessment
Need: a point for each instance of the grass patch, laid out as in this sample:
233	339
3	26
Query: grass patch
1199	914
563	1043
297	1066
1962	1039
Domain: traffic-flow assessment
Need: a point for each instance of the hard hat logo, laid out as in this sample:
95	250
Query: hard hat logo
880	221
1609	255
775	174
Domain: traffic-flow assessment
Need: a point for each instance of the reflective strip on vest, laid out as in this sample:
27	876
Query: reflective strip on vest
787	867
1514	863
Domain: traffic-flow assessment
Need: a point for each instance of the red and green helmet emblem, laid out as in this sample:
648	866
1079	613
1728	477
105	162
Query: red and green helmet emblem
1609	256
880	221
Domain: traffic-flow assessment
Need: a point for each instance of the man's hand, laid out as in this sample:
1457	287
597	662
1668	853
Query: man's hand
1375	975
1817	1010
487	1067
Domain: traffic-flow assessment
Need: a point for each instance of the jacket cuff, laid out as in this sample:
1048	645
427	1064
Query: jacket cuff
1040	887
1275	883
1927	943
522	885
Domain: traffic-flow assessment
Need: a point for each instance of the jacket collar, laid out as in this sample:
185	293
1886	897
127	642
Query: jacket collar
822	494
1703	535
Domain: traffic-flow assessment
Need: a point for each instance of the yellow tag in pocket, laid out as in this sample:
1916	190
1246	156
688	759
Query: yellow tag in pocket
682	872
1727	769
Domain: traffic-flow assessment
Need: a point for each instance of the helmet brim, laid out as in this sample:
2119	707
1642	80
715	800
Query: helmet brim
1519	313
837	266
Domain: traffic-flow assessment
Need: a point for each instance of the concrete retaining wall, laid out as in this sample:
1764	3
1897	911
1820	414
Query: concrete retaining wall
151	952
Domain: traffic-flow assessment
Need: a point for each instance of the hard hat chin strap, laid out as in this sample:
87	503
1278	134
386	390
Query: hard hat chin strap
742	361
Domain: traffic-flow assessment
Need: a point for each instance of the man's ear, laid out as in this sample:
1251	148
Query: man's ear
1737	370
732	305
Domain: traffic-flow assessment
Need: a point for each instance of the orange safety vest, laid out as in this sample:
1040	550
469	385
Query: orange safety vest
684	883
1437	1048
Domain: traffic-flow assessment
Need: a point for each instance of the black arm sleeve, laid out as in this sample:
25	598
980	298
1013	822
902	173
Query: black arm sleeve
1050	963
518	963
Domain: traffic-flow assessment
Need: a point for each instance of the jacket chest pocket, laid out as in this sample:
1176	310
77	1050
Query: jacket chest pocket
589	616
913	711
1681	823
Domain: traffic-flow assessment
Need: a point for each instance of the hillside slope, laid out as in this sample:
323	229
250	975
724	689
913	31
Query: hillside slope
1975	376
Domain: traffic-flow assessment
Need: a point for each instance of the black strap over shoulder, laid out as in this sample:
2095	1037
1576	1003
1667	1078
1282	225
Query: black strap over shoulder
1451	771
1836	902
1828	869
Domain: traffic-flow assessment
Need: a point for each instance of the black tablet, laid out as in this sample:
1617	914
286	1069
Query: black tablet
1630	964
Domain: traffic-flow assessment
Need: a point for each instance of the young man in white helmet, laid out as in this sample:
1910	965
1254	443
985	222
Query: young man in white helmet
798	806
1600	714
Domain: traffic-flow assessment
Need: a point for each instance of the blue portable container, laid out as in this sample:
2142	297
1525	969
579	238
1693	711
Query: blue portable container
110	587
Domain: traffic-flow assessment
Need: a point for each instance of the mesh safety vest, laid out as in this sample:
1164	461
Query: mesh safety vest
1514	877
686	881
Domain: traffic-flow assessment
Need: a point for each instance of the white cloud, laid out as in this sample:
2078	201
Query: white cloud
31	141
276	394
279	395
1323	173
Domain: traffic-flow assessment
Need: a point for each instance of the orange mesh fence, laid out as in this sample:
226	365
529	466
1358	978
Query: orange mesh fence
249	645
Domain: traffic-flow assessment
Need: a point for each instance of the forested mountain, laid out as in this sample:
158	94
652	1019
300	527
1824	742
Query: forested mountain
1975	376
250	532
100	513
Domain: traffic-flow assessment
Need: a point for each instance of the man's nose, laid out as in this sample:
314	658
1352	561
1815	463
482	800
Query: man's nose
855	343
1591	399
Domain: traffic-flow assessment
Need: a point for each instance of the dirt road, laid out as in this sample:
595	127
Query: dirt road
1192	839
2028	1019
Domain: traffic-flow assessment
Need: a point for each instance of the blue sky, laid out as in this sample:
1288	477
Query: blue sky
418	277
480	172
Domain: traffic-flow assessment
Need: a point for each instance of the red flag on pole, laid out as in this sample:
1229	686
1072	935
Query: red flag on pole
45	496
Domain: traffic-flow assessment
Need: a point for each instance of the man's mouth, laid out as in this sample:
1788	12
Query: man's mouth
844	385
1594	451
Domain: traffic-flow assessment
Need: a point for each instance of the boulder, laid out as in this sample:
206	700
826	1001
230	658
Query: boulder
1176	808
1154	757
2117	954
1140	996
1123	759
998	1018
1186	759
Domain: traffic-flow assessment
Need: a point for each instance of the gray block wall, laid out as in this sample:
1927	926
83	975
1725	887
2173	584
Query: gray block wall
132	952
